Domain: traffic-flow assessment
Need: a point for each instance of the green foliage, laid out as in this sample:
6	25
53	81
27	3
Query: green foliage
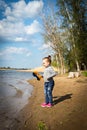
84	73
66	30
54	63
42	126
74	21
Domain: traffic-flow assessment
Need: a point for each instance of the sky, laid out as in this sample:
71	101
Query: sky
21	42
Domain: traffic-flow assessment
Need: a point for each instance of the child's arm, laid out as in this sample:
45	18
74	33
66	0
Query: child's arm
51	73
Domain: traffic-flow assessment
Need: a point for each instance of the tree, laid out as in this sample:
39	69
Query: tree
52	35
65	30
74	21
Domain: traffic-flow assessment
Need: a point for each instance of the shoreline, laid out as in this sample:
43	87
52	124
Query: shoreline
69	110
14	94
38	69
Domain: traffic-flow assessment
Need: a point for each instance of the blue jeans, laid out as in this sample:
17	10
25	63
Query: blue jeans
48	87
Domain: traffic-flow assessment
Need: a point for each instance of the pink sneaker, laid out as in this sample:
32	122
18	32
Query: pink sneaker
43	105
49	105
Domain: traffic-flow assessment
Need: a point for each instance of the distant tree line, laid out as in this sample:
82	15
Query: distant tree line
5	67
65	30
14	68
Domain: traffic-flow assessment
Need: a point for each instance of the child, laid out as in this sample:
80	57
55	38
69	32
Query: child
48	75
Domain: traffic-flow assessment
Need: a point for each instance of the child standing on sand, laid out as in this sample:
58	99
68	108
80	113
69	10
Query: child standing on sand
48	75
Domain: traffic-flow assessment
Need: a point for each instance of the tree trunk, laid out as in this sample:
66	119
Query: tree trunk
61	62
57	60
78	67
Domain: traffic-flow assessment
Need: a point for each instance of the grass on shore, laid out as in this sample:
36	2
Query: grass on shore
84	73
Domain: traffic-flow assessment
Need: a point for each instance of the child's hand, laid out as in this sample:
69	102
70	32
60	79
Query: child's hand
37	75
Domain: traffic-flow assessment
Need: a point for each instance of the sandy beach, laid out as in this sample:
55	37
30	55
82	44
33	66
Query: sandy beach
69	111
38	69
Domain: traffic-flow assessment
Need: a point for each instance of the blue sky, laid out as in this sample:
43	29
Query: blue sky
21	43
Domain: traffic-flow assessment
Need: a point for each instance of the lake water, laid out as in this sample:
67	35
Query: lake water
14	94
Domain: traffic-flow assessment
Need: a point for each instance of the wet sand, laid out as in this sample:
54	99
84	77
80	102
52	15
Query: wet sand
68	113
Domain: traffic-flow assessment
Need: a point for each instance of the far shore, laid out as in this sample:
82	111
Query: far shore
38	69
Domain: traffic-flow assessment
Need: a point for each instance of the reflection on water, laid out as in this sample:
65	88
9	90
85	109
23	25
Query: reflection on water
14	94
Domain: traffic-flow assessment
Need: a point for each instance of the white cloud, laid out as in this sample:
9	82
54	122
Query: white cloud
33	28
14	27
18	31
44	46
10	29
21	9
15	50
20	39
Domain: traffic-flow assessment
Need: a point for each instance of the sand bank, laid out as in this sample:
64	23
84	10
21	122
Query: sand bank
38	69
68	113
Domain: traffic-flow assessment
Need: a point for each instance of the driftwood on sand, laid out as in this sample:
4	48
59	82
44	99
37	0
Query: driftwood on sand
74	74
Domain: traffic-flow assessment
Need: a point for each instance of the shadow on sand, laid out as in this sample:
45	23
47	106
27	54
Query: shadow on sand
61	98
82	81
